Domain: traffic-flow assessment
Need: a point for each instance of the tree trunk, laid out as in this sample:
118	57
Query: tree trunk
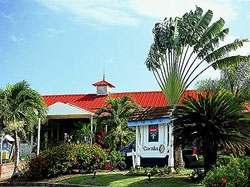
178	157
210	156
179	162
17	152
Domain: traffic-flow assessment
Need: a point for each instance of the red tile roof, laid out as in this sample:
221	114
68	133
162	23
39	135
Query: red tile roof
103	83
93	102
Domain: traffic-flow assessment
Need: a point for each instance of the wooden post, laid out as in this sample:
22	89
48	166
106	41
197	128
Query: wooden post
31	144
91	122
138	160
171	147
2	136
38	136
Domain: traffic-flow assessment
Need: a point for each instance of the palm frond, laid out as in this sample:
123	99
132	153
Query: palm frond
232	60
222	51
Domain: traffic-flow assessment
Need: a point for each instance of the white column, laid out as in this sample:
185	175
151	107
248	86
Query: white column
38	136
31	143
138	160
2	137
91	122
171	147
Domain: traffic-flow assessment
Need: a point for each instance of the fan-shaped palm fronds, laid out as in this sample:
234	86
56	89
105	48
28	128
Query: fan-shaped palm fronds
182	45
212	121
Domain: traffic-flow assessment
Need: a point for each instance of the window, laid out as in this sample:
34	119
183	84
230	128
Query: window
153	134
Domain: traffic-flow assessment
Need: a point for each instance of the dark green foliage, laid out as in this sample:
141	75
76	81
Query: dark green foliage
81	133
213	122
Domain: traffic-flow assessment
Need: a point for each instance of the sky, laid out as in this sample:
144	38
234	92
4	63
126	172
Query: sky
64	46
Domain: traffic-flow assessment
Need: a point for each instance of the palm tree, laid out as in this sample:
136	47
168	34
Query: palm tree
182	46
115	115
212	121
18	107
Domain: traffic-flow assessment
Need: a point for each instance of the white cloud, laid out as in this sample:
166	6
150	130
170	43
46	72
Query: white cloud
168	8
108	12
16	39
52	32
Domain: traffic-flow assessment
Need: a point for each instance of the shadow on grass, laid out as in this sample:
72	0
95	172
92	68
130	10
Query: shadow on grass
118	179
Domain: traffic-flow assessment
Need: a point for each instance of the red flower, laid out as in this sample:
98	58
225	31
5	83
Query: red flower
46	166
102	133
224	180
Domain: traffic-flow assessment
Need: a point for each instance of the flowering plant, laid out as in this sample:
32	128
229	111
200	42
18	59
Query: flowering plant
64	158
235	173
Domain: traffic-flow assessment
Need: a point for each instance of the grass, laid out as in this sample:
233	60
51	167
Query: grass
118	179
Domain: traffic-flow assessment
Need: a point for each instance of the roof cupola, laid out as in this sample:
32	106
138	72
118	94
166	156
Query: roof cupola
103	87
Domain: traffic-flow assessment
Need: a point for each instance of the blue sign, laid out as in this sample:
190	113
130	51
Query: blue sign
149	122
5	145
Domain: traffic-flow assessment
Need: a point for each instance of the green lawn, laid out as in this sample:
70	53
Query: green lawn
117	179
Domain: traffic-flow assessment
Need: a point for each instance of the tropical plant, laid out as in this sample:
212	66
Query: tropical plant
113	117
213	122
81	133
182	46
235	79
20	108
117	159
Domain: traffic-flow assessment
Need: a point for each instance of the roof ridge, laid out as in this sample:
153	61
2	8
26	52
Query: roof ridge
137	92
58	95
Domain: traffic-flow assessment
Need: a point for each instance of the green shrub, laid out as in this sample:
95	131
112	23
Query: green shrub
156	170
148	170
235	173
166	170
117	159
64	158
177	170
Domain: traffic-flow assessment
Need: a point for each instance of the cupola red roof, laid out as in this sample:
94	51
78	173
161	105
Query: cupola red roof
103	83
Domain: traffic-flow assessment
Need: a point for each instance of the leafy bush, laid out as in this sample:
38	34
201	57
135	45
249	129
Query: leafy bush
117	159
64	158
235	173
154	171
